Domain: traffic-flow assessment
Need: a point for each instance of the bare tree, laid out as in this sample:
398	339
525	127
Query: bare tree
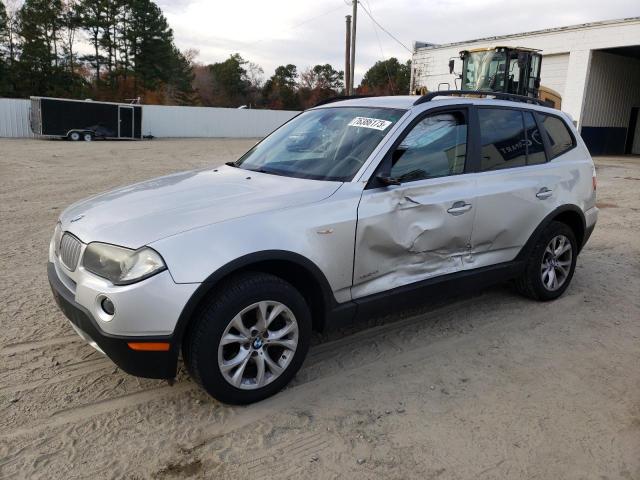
70	23
13	7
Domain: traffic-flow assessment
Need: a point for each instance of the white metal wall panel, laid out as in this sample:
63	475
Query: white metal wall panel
553	73
164	121
14	118
612	90
167	121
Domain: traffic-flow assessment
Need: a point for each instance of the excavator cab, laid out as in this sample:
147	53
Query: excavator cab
512	70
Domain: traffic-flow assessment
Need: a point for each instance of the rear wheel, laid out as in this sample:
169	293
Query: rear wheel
551	265
250	338
87	136
74	136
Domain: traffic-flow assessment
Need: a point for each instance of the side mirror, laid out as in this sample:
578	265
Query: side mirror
387	180
451	65
536	83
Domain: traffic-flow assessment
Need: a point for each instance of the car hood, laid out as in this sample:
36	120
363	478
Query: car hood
139	214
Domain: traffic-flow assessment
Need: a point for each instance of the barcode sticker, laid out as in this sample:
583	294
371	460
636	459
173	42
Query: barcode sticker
365	122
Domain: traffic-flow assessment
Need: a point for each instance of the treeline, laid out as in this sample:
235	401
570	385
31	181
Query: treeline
131	44
124	49
237	82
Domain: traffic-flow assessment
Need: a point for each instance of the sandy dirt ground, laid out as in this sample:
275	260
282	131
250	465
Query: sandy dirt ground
487	386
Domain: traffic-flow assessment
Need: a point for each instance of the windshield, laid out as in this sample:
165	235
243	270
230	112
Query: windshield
484	71
324	144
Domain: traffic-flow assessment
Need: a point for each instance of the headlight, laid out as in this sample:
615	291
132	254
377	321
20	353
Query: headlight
120	265
54	246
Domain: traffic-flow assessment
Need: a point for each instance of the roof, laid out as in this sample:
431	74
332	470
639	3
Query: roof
534	32
487	49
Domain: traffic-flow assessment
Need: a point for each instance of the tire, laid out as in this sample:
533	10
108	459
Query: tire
547	274
245	296
74	136
87	136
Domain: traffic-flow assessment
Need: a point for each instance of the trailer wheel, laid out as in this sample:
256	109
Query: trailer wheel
74	136
87	137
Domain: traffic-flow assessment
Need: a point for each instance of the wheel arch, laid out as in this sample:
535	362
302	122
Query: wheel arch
296	269
570	215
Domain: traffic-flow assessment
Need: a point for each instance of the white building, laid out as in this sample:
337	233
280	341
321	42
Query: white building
594	66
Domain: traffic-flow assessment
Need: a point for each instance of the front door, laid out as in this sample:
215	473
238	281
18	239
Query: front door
126	122
421	227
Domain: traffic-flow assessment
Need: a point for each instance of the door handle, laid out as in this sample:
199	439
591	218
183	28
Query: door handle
458	208
544	193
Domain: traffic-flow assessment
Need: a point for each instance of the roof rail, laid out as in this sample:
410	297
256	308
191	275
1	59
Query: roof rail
499	95
339	98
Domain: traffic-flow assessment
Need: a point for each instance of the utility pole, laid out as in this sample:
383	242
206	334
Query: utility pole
353	45
347	58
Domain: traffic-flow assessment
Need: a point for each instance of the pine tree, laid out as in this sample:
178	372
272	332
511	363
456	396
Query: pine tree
38	28
93	14
279	91
387	77
230	81
151	45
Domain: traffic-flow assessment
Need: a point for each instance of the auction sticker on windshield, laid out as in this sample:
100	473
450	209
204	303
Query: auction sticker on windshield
366	122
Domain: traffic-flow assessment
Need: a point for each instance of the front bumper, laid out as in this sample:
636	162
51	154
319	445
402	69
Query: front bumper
150	364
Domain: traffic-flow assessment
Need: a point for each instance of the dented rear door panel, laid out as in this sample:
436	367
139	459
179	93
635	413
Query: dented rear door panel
508	208
406	234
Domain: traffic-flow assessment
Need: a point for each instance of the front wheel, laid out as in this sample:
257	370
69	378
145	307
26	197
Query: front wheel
74	136
87	136
249	339
551	265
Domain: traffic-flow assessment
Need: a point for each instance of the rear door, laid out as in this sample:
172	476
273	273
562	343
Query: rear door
126	122
421	227
517	187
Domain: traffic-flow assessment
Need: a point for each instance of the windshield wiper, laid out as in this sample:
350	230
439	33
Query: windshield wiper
231	164
268	171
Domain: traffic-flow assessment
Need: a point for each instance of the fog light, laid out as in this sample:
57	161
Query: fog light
108	306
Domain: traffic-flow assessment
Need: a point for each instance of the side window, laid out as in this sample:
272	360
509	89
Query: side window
535	145
502	139
435	147
560	139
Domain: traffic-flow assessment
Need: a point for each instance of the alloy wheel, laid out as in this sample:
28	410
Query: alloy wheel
556	262
258	345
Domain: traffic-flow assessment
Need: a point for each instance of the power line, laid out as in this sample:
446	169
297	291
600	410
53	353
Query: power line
384	29
298	25
386	67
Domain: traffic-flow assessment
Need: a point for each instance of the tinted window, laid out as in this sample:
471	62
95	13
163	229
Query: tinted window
560	138
535	146
502	139
435	147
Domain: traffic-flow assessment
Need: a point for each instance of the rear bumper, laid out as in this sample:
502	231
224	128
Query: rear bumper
150	364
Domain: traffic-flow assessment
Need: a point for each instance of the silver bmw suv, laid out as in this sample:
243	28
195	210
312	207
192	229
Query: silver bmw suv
348	206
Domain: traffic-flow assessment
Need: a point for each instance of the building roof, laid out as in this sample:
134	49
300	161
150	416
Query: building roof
534	32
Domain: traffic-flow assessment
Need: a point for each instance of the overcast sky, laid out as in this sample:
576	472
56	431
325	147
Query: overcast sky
306	33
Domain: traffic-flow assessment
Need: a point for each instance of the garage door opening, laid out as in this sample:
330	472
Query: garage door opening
610	120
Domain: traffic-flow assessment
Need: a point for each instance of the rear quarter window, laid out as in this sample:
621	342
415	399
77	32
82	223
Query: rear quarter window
560	138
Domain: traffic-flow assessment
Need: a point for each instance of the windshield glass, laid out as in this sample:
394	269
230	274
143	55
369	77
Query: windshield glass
324	144
484	71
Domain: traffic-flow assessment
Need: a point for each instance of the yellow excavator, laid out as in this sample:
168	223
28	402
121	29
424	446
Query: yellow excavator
509	70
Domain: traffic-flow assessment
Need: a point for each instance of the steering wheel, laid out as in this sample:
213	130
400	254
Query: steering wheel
347	165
